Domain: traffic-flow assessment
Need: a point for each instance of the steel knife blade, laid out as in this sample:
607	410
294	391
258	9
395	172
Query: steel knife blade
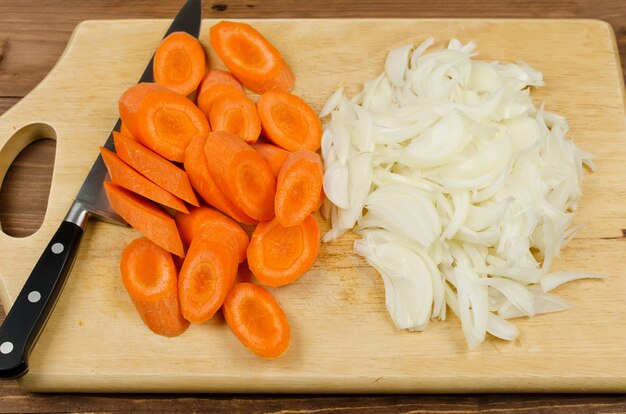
29	314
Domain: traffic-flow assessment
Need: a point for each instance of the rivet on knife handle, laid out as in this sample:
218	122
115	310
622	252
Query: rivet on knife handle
33	306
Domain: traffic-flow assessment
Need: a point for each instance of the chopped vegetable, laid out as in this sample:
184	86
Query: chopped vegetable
234	112
149	277
257	320
274	155
213	85
462	190
179	63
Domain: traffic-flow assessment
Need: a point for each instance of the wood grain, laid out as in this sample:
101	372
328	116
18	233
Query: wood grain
46	26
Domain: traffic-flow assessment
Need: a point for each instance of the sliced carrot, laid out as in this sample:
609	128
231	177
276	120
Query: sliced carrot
179	63
154	167
257	320
289	122
162	120
192	224
298	187
126	177
124	131
208	273
146	217
150	278
279	255
201	180
213	85
274	155
242	174
251	58
237	114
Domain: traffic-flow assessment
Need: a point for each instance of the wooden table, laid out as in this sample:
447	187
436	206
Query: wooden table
33	34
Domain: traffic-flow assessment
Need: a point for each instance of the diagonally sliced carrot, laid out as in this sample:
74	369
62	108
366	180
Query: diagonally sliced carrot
214	85
146	217
208	273
236	113
150	278
124	131
257	320
250	57
154	167
201	180
289	122
241	173
279	255
274	155
126	177
298	187
179	63
192	224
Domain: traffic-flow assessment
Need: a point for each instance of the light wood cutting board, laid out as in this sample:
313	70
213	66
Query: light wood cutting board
343	340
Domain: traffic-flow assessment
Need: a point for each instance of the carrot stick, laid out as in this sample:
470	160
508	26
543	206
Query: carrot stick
298	187
236	113
162	120
149	277
213	85
146	217
200	178
241	173
179	63
192	224
208	273
124	131
289	122
250	57
154	167
279	255
257	320
126	177
274	155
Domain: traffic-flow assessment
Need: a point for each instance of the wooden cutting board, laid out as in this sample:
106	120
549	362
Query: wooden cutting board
343	340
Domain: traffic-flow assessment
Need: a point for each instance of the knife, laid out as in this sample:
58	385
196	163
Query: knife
30	312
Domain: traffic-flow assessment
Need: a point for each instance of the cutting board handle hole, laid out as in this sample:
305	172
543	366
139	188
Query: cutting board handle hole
26	166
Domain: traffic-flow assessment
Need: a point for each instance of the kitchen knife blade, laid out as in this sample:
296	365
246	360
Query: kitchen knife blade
29	313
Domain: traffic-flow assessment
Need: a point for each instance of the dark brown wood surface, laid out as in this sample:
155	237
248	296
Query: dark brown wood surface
33	35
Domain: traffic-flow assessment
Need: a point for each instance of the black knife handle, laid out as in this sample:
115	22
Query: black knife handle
33	306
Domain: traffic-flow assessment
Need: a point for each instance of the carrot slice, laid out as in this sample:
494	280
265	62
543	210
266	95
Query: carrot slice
154	167
279	255
213	85
146	217
274	155
126	177
208	273
162	120
149	277
298	187
257	320
124	131
192	224
250	57
241	173
289	122
179	63
198	172
237	114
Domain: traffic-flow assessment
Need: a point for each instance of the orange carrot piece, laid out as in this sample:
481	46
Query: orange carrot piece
208	273
213	85
289	122
298	187
250	57
124	131
154	167
237	114
124	176
279	255
146	217
150	278
162	120
242	174
201	180
179	63
257	320
192	224
274	155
